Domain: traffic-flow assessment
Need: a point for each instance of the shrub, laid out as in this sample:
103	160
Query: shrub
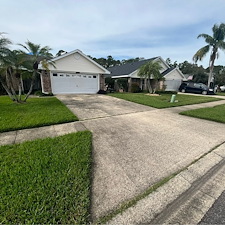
135	88
101	92
122	83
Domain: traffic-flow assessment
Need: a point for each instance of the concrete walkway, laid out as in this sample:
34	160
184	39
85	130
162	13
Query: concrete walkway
15	137
134	146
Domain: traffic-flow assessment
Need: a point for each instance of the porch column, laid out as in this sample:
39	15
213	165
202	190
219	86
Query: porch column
129	84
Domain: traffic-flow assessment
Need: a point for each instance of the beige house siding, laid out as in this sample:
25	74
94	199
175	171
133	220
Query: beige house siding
76	63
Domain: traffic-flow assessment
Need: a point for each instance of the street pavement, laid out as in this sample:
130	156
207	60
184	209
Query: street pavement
216	214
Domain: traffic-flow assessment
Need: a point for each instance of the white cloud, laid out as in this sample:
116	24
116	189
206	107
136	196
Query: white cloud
117	28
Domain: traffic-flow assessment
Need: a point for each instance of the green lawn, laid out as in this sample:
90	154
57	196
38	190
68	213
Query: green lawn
36	112
216	113
221	93
46	181
163	101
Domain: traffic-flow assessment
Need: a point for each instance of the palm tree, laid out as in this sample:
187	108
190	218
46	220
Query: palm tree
4	54
214	43
36	55
151	70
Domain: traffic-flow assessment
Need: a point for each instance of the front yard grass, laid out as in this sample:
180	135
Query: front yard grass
163	101
216	113
46	181
221	93
36	112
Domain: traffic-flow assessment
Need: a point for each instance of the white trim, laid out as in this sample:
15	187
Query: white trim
120	76
85	56
159	57
68	71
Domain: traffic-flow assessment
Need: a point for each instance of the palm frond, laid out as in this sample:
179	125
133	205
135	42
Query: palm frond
208	39
221	45
219	32
200	54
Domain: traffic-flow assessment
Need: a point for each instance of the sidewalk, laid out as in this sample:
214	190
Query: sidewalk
14	137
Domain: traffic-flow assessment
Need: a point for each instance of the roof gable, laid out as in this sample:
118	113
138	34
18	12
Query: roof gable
77	61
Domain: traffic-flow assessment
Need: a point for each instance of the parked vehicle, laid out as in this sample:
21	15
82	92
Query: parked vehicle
197	88
222	88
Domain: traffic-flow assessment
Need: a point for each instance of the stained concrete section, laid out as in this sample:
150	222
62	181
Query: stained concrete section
98	106
179	201
134	151
19	136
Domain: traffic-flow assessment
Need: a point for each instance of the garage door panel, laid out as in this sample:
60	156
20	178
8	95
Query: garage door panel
74	83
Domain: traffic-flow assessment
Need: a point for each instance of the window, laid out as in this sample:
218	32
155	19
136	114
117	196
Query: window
89	76
55	74
84	76
61	75
67	75
94	76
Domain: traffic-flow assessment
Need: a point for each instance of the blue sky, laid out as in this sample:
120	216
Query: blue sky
121	28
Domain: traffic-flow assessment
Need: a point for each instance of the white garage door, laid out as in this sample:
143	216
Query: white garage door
172	85
66	83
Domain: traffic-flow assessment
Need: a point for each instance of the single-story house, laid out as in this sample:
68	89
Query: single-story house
73	73
172	76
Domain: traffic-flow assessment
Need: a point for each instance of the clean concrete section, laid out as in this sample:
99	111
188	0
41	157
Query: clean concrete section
19	136
185	198
136	146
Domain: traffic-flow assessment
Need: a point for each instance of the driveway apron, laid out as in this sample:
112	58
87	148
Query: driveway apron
135	146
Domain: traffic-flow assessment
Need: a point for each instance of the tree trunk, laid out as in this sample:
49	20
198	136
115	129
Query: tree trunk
211	67
149	86
7	90
31	86
9	78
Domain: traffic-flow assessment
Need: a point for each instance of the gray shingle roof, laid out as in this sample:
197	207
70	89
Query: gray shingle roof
167	71
128	67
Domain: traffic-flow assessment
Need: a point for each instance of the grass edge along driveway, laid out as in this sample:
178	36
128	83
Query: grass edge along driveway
36	112
163	101
46	181
216	113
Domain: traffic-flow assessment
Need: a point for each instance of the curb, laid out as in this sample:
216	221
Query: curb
183	199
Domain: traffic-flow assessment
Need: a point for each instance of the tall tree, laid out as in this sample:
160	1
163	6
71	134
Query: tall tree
4	54
151	70
12	67
36	54
214	43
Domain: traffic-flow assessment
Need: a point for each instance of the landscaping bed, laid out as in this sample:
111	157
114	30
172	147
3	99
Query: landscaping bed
36	112
163	101
216	113
46	181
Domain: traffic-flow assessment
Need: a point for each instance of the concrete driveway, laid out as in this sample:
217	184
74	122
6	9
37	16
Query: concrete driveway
135	146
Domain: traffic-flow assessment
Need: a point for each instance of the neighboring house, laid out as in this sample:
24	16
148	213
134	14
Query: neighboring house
173	76
73	73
